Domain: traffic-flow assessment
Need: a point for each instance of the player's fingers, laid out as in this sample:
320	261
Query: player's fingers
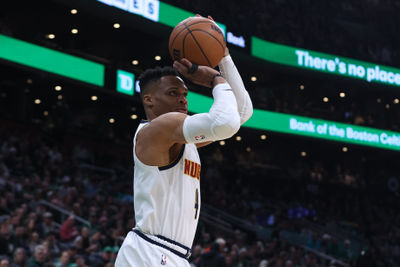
198	15
181	68
209	17
186	63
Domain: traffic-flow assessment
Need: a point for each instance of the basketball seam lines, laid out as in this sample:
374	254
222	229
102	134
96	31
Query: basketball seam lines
201	49
176	36
216	39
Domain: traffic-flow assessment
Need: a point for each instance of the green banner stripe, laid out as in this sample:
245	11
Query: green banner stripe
171	16
299	125
312	60
51	61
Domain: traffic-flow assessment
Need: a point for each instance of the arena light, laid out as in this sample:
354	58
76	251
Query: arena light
325	99
135	62
222	143
59	97
74	11
263	137
37	101
50	36
157	58
58	88
301	87
342	94
45	113
111	120
94	98
345	149
303	153
74	31
52	61
396	101
134	116
117	25
253	78
327	63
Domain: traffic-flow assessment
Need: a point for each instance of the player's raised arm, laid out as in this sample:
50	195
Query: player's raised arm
167	128
231	74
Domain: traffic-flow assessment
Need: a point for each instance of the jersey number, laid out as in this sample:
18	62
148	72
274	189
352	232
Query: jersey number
196	204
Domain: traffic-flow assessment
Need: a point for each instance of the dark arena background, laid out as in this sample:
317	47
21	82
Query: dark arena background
312	179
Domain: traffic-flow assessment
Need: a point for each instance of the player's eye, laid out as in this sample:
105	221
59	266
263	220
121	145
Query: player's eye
172	93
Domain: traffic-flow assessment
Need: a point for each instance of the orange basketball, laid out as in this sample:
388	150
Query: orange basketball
199	40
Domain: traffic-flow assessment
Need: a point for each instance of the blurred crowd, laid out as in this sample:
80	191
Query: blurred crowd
93	187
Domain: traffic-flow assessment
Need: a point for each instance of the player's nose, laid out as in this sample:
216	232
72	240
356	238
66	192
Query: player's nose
182	99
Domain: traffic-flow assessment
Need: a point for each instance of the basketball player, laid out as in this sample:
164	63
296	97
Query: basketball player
167	165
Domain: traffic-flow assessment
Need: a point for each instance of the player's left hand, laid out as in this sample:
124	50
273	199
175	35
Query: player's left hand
203	75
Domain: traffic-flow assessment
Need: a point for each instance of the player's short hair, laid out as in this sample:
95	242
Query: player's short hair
153	75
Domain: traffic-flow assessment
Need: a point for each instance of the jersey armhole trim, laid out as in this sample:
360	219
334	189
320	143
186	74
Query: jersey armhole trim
163	168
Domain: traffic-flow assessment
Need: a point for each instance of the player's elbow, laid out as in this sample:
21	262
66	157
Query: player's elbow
246	115
227	127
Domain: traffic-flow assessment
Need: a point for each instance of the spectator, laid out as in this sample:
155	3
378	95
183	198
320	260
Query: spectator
4	263
64	260
68	230
33	242
213	258
47	225
20	259
39	257
5	237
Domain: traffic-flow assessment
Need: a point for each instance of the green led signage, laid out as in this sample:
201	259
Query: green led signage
51	61
307	59
298	125
125	82
171	16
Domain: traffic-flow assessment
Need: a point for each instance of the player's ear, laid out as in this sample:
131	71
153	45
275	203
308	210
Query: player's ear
147	100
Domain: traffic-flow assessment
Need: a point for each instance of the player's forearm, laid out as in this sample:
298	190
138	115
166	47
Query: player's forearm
232	76
221	122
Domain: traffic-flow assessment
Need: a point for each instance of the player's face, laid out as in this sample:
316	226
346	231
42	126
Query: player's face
170	96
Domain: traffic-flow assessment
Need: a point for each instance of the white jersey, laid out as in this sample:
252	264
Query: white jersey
167	199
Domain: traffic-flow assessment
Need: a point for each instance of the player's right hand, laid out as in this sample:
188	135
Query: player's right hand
202	76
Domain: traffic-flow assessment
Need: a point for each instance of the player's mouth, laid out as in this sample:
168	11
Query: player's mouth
182	110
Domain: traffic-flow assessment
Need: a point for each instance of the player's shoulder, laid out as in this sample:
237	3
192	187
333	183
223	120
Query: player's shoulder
167	120
163	129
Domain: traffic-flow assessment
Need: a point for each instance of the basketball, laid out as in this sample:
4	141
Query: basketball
198	39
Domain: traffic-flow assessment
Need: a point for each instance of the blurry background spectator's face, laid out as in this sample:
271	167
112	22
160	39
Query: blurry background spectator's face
20	256
40	255
4	263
